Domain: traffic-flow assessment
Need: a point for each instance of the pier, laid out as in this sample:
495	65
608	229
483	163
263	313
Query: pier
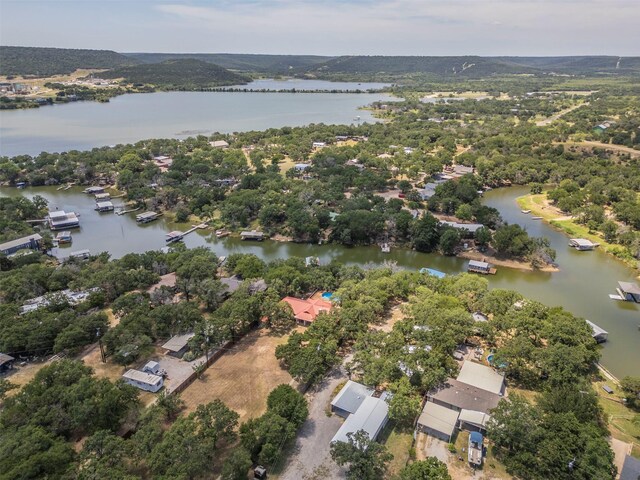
177	235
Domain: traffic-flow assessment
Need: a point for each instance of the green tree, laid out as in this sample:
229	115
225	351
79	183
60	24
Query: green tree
464	212
404	406
237	465
449	241
429	469
288	403
365	458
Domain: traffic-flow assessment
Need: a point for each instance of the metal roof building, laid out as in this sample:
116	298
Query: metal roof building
481	376
349	399
371	416
144	381
32	241
438	421
178	343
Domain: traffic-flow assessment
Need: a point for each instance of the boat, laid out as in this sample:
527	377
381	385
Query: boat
525	211
222	233
385	248
536	218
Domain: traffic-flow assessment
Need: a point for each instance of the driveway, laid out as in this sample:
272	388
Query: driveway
311	458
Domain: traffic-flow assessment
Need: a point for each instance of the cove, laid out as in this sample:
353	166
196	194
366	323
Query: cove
581	286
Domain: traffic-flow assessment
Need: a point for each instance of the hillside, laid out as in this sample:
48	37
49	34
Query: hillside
242	62
44	62
185	74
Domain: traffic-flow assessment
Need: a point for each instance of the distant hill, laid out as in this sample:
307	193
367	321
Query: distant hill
44	62
178	74
579	65
277	64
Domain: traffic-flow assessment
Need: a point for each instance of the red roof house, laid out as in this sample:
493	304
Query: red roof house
306	311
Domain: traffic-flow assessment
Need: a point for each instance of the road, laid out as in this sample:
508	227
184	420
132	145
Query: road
553	118
311	457
606	146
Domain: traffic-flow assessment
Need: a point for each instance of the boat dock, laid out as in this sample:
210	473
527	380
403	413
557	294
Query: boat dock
252	235
104	206
599	334
627	292
481	267
582	244
147	217
122	212
433	272
93	190
177	235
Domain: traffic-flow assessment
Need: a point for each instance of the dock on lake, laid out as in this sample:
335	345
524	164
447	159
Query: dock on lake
480	267
177	235
147	217
252	235
582	244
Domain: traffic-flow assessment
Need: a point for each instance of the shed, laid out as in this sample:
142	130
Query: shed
607	389
143	381
438	421
473	420
6	362
350	398
177	345
371	416
481	376
151	367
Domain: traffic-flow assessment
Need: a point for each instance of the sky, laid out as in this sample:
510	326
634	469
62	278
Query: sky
329	27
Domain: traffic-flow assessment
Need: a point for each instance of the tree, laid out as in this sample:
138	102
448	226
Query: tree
425	233
483	236
172	405
610	231
429	469
405	403
237	465
464	212
449	241
287	402
631	388
366	459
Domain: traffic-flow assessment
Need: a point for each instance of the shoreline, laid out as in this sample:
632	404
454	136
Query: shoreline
565	225
513	264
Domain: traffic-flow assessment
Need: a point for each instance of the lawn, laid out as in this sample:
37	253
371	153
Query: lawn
398	442
242	378
491	467
621	424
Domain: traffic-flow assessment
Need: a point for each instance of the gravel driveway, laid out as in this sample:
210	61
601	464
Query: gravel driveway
311	457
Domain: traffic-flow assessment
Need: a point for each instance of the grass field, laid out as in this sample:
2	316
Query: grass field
621	418
398	443
242	378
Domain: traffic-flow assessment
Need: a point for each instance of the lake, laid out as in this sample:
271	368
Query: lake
133	117
581	286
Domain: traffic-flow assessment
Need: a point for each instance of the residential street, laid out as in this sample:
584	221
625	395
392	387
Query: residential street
310	458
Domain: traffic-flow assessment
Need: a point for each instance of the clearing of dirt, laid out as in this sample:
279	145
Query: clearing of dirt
393	316
243	377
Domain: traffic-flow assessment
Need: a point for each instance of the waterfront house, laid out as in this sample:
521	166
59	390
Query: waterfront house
476	266
252	235
458	396
629	292
33	242
104	206
599	334
481	376
438	421
306	311
168	280
582	244
371	416
472	228
60	220
6	362
144	381
349	399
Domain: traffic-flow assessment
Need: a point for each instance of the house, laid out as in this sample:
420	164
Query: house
6	362
458	396
354	163
319	144
437	421
306	311
349	398
470	227
599	334
219	144
630	468
371	416
151	367
70	296
582	244
462	170
144	381
252	235
629	292
473	420
476	266
232	284
61	220
481	376
33	242
178	345
301	167
168	280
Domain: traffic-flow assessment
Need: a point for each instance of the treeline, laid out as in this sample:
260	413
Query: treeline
45	62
